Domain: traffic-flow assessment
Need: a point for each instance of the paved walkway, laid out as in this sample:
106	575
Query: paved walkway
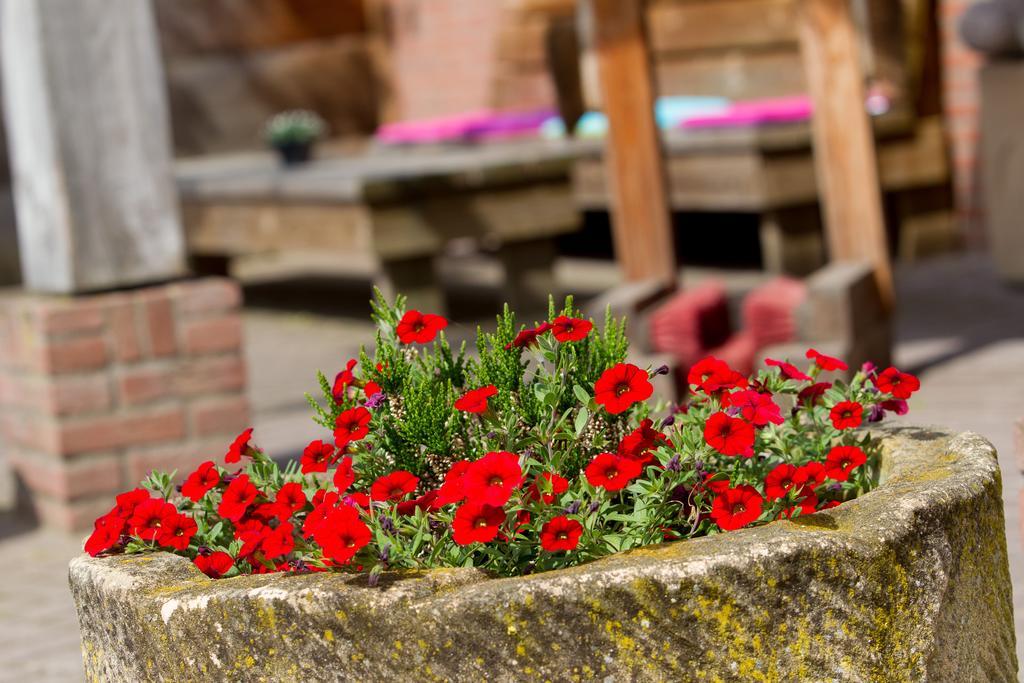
956	326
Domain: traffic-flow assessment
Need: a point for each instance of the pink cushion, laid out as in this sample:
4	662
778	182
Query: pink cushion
769	312
692	323
755	112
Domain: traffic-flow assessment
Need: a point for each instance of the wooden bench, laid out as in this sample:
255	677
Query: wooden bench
769	171
402	205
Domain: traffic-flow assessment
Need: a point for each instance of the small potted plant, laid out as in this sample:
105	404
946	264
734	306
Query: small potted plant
293	133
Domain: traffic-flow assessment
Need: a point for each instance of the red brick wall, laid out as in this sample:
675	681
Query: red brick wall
961	101
97	391
443	55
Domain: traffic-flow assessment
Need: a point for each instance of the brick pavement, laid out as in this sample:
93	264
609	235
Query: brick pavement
956	325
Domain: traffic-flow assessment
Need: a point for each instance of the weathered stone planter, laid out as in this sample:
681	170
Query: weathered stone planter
909	582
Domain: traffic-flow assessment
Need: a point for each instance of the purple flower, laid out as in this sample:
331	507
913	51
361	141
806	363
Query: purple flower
376	400
674	465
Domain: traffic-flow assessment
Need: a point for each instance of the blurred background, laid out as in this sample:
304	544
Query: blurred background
197	198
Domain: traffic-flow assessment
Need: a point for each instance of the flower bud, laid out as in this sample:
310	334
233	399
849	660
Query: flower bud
661	370
574	507
674	465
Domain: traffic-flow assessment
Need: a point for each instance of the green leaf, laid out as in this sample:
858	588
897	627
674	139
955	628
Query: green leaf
581	394
582	418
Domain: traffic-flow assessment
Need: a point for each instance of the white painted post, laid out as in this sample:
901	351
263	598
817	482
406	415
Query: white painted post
87	125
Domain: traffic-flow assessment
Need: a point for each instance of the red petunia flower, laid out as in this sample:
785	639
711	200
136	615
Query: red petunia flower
812	474
322	506
842	460
419	328
638	443
106	533
828	505
846	415
149	516
779	481
452	490
566	329
356	499
237	498
351	425
806	503
788	370
548	487
714	484
729	435
342	534
528	336
756	408
612	471
316	457
428	501
826	362
176	531
621	386
736	508
896	405
290	498
898	384
342	381
199	482
394	487
711	375
214	565
476	522
344	476
278	542
561	533
810	395
128	501
371	389
239	447
475	400
493	478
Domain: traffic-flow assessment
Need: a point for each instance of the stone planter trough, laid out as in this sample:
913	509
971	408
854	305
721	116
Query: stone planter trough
909	582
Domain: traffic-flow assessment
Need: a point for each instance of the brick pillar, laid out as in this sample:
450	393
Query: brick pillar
96	391
960	92
444	54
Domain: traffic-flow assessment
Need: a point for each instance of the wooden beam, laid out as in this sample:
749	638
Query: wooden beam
844	148
88	129
641	220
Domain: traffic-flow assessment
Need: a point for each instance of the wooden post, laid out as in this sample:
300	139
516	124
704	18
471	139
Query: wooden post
641	217
844	148
87	125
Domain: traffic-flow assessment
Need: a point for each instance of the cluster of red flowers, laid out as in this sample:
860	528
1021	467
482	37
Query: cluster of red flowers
599	478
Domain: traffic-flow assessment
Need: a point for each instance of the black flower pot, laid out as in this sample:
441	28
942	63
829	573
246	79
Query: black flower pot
293	153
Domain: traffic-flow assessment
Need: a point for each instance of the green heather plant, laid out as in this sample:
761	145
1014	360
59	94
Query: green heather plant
542	450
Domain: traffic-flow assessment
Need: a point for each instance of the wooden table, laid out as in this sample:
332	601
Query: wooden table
403	205
769	170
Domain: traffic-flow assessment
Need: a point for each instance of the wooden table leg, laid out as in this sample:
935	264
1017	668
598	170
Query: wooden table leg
417	280
529	274
791	241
